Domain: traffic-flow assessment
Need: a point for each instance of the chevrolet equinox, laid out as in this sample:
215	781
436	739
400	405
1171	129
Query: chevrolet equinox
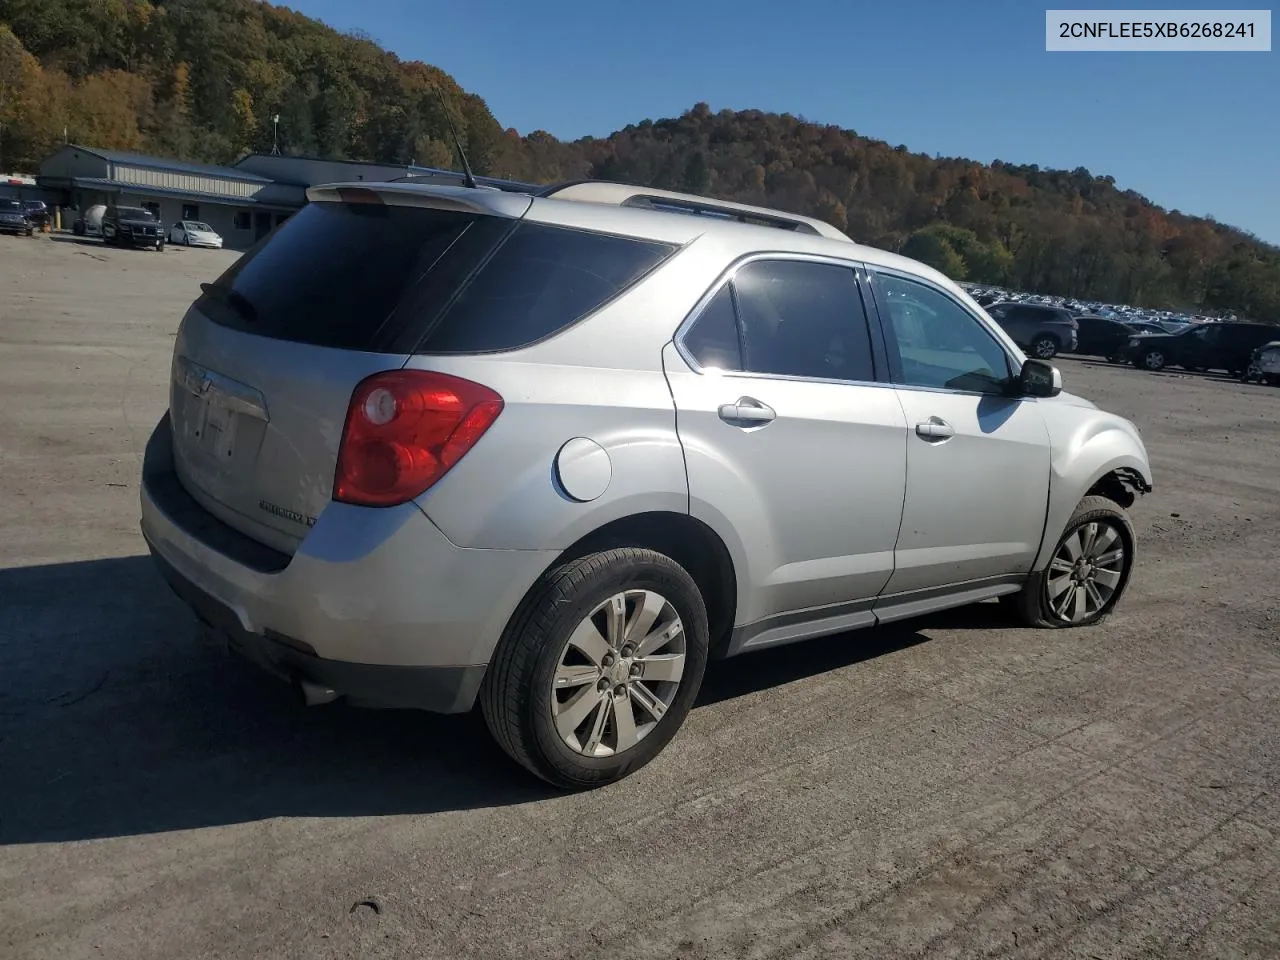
552	451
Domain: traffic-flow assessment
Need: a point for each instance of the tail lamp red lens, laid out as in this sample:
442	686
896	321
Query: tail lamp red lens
405	429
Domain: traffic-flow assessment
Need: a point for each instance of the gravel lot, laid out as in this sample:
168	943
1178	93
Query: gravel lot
955	788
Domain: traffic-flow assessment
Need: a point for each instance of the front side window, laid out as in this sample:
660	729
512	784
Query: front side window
940	344
803	319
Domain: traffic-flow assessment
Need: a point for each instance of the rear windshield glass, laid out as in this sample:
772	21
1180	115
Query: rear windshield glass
395	279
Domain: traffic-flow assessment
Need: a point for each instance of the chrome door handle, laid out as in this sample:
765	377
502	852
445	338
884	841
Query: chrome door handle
935	428
747	410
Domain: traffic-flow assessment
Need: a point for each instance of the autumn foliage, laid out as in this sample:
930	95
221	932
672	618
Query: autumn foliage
202	80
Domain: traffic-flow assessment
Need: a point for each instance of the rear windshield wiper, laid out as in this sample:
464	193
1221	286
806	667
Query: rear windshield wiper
230	298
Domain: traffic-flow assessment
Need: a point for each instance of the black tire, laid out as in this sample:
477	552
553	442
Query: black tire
1152	360
186	239
1032	604
1044	347
160	247
518	686
1271	379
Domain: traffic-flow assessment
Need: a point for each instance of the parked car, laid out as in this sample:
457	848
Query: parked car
194	233
132	226
391	468
14	219
1100	337
1044	331
1264	364
1207	346
37	213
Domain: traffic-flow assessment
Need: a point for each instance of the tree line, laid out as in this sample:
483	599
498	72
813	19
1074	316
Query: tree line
203	80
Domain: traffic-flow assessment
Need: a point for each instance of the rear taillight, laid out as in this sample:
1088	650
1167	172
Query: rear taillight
404	430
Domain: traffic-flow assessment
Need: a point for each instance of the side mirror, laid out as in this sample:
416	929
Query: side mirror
1039	379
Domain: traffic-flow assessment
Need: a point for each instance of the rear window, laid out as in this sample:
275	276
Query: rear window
395	279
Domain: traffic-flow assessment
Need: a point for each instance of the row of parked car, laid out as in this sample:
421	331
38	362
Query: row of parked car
139	227
23	217
1250	351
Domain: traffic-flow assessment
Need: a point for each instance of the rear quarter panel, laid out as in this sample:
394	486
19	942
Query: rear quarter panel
503	494
602	379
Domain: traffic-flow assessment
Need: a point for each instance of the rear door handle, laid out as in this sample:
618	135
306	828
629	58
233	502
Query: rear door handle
747	410
935	428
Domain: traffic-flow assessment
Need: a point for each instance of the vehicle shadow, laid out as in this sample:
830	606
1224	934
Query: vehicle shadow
76	238
1168	373
117	720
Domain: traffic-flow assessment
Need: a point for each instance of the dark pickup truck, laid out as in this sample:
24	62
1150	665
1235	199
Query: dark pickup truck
132	227
1206	346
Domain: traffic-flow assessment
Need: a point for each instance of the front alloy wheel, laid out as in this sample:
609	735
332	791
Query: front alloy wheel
619	672
1085	573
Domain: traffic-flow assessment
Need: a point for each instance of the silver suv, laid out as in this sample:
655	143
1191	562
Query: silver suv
432	445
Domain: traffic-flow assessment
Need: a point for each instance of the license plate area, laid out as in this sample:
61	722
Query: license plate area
214	430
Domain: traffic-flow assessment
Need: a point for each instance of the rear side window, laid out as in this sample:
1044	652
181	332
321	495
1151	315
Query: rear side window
540	281
713	339
790	318
803	319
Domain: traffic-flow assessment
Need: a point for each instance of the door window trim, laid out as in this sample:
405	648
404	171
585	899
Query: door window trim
880	365
891	344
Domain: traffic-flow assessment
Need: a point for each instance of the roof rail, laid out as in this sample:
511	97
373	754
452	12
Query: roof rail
627	195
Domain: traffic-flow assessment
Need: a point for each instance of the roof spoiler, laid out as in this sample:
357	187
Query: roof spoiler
397	193
626	195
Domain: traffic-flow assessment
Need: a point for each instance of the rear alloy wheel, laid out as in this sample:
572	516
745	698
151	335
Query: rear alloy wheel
1088	572
1044	347
599	667
1153	360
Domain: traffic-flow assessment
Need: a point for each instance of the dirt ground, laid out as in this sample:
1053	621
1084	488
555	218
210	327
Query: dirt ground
954	788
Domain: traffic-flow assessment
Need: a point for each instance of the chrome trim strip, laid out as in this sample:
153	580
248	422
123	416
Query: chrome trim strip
215	387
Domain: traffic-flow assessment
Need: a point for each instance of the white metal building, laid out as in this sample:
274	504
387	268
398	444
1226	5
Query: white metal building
240	205
243	202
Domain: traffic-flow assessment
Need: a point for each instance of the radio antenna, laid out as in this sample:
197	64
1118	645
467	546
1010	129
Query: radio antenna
468	178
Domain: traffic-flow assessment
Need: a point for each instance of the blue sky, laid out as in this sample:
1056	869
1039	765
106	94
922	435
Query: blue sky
1197	132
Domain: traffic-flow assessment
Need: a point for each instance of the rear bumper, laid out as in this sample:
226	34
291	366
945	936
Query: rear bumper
376	603
438	689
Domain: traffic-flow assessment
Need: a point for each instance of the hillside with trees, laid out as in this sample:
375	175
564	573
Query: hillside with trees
202	79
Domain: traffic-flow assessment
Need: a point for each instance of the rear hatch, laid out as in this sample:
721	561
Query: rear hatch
267	358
